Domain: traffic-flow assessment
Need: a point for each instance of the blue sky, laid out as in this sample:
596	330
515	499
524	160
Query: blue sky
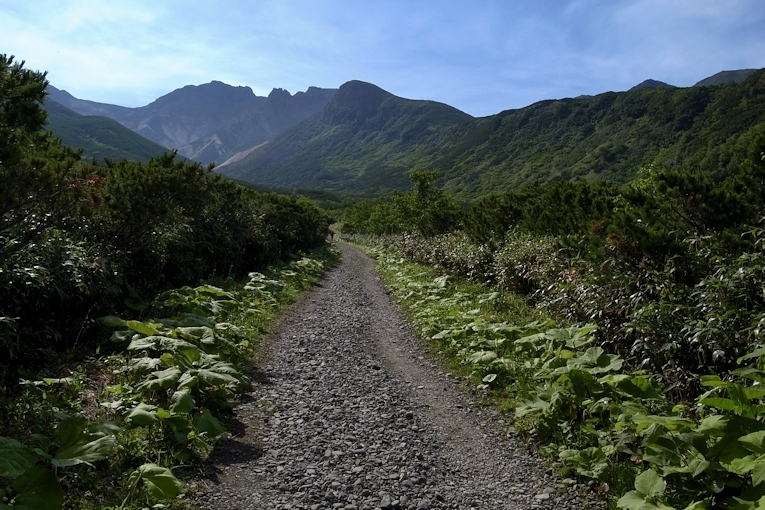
481	56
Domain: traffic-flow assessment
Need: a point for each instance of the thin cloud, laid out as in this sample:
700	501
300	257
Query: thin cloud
482	56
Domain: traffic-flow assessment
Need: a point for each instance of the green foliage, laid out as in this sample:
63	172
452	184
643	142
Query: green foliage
366	141
99	137
79	240
168	397
425	209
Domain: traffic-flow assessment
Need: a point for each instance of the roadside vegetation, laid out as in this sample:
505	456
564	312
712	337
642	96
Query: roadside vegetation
620	325
132	297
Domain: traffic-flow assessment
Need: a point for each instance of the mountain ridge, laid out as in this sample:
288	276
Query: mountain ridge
99	136
209	122
363	146
365	137
360	138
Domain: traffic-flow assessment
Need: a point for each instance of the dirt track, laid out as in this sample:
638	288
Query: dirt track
348	412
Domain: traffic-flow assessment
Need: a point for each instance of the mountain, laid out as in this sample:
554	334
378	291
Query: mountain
84	107
211	122
652	84
609	136
365	139
100	137
726	77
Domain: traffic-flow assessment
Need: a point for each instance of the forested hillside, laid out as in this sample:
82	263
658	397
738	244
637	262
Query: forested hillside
364	141
609	136
363	145
99	137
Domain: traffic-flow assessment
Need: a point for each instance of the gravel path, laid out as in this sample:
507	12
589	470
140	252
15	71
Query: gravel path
349	413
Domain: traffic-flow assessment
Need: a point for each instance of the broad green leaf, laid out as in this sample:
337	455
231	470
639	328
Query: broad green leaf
633	500
712	381
754	442
669	422
482	357
714	424
85	452
122	335
443	334
70	430
590	462
201	334
699	465
145	364
721	403
757	353
159	343
142	415
182	401
489	378
142	327
160	482
189	355
536	405
187	381
15	458
758	473
162	379
204	421
38	489
650	483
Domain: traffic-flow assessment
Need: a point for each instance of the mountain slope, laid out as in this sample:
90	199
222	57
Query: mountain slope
608	136
210	122
652	84
726	77
365	140
100	137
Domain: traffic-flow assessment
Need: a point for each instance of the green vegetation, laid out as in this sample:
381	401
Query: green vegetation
365	143
82	245
80	240
99	137
648	380
121	431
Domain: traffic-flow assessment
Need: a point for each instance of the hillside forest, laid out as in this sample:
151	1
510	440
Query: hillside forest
637	361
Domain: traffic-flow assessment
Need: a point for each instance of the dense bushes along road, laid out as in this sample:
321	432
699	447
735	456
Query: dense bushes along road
79	240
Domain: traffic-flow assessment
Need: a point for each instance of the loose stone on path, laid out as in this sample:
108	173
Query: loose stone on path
348	413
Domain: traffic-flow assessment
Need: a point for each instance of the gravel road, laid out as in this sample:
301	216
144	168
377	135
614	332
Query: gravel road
349	413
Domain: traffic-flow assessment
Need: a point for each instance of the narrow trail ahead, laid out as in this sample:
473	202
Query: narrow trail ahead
348	412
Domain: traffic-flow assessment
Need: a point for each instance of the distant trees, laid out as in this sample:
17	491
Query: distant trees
425	208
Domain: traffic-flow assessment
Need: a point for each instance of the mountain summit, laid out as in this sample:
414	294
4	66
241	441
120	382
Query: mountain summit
365	138
210	122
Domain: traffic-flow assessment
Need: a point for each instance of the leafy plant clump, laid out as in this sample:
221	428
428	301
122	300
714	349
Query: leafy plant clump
597	418
82	239
116	436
